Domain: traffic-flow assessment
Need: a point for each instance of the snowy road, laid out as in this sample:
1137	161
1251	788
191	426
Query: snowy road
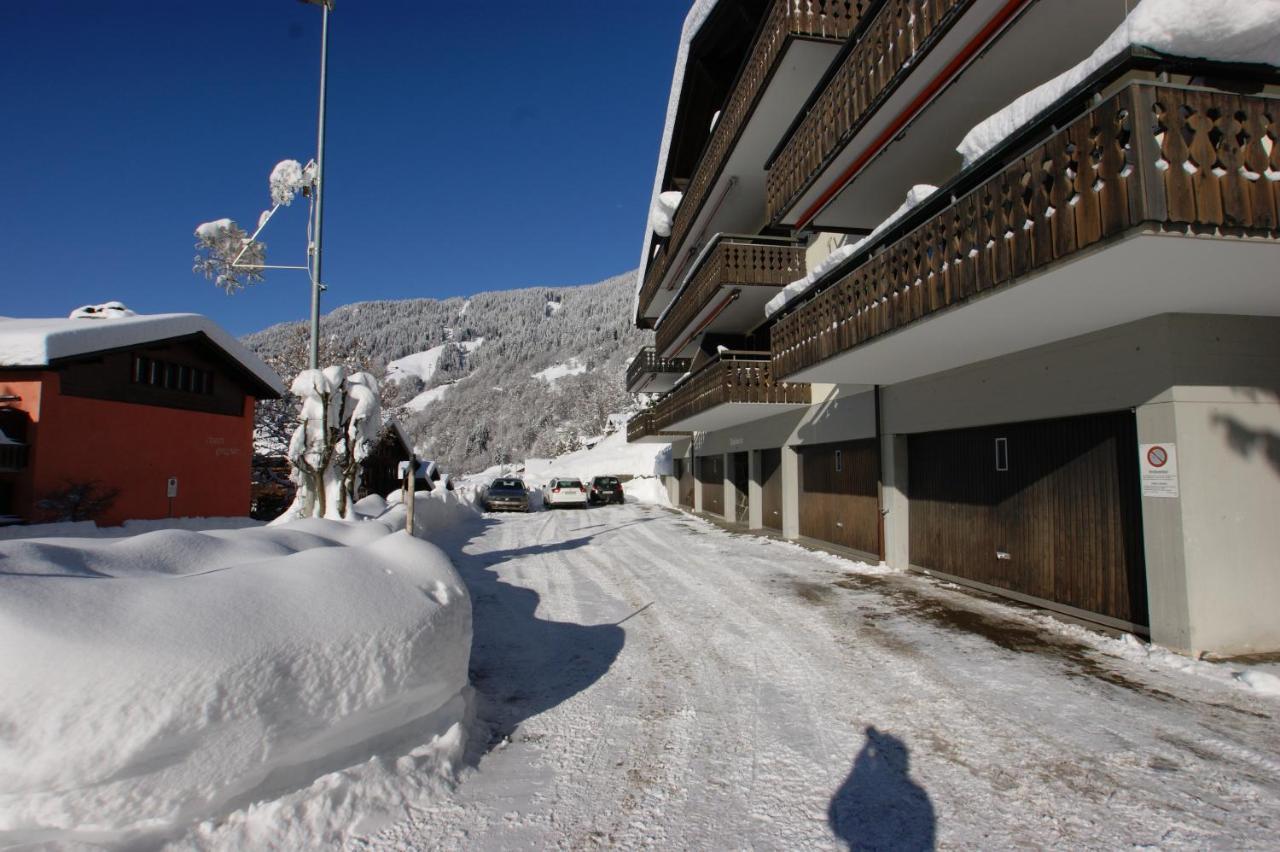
654	681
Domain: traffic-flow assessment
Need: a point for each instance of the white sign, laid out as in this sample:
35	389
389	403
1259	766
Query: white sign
172	487
1159	466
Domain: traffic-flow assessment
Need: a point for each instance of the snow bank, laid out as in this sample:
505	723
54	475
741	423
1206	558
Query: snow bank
88	529
427	397
1227	31
613	456
172	676
915	196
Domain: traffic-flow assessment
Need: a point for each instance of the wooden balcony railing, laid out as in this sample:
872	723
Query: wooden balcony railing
641	425
647	363
813	19
732	377
892	44
733	261
1152	155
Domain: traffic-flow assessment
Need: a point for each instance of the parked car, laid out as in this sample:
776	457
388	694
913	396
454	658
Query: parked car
506	493
605	489
564	492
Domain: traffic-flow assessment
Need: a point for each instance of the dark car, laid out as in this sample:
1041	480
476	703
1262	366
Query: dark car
506	493
605	489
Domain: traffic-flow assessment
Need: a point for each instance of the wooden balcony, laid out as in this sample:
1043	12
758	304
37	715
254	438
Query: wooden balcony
830	20
647	373
733	388
1158	199
886	51
728	290
641	430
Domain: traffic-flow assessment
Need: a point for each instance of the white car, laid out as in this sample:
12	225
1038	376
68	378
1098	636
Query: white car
564	492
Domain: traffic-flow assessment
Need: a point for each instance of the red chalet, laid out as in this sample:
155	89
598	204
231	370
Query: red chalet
157	408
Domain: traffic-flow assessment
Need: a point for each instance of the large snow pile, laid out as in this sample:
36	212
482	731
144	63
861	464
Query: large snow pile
1227	31
89	529
915	196
612	456
154	681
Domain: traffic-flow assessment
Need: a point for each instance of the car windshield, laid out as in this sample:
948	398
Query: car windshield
606	480
568	483
508	483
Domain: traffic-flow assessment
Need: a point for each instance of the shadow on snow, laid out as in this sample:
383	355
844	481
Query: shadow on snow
878	806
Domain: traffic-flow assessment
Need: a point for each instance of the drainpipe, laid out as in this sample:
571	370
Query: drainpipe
879	475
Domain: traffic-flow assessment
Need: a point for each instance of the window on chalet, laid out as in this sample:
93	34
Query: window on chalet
170	376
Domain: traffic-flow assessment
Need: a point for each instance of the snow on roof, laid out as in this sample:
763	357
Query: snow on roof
41	342
698	14
1233	31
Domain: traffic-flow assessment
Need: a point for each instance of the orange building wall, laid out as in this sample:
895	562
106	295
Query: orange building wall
136	448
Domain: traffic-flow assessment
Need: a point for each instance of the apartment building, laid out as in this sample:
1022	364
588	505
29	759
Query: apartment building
988	289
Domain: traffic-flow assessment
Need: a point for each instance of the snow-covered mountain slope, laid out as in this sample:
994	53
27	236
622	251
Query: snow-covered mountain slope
548	374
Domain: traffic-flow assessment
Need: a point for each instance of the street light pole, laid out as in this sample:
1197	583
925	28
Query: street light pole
317	285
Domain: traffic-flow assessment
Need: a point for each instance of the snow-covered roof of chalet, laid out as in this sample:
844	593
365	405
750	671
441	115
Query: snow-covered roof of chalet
698	14
40	342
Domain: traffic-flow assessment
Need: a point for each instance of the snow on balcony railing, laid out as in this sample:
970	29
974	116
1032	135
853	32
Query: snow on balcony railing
814	19
1176	158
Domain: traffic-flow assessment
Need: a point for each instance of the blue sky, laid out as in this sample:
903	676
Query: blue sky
471	146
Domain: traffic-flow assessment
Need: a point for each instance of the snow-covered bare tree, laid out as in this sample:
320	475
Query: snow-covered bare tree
339	422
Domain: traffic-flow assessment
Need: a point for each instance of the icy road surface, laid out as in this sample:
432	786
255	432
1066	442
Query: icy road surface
653	681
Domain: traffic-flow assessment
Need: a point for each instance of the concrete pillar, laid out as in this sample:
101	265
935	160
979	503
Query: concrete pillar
697	483
790	493
755	496
730	493
894	505
1212	580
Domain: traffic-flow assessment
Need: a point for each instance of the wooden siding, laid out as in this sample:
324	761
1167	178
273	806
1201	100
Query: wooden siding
787	19
641	425
841	506
771	488
1062	523
1151	155
711	475
733	377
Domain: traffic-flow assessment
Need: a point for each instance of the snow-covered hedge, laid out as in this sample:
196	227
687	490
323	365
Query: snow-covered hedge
155	680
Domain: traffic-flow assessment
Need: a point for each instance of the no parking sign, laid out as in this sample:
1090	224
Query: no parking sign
1159	466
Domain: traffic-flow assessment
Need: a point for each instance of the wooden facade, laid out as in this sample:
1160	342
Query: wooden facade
830	20
1046	509
646	364
711	478
771	488
733	377
1135	159
840	494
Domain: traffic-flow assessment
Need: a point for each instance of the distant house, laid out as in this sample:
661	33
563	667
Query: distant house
379	469
158	408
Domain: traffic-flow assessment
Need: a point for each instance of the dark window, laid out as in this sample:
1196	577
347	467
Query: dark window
170	376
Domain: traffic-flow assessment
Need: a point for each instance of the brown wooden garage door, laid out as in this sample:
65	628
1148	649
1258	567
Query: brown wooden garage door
1048	509
839	494
684	474
711	475
771	488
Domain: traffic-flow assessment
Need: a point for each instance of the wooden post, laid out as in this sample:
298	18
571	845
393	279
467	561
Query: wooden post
410	477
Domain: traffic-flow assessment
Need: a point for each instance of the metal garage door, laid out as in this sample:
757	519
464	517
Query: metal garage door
1048	509
839	494
771	488
711	475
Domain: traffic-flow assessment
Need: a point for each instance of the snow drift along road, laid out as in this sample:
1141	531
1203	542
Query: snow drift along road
155	680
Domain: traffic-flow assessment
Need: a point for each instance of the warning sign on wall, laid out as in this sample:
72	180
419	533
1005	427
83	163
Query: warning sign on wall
1159	466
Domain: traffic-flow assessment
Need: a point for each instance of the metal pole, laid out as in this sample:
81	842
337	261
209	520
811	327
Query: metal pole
316	286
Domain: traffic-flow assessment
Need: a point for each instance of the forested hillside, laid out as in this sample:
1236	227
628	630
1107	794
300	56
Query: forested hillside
484	380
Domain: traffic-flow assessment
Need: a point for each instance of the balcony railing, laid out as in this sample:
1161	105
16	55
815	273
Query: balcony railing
732	261
13	457
1152	155
641	425
733	377
894	42
647	363
787	19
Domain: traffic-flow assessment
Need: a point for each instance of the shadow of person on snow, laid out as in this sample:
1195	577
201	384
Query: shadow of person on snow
878	806
521	664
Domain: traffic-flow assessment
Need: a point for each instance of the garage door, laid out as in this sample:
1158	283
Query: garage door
711	475
839	494
740	476
1048	509
771	488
